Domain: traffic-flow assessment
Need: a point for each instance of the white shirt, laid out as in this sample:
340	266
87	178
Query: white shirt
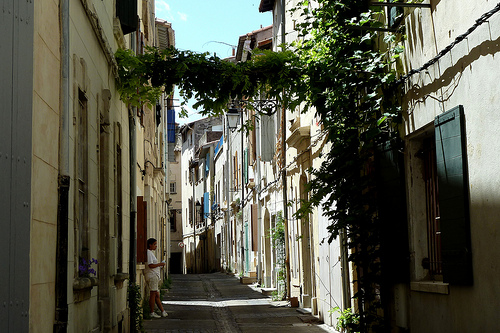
152	260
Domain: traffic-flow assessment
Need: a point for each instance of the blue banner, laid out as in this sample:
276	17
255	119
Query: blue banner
171	126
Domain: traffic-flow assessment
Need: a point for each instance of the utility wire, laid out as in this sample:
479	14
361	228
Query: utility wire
484	18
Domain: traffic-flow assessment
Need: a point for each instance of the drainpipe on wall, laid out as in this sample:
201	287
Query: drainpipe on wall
195	270
259	207
244	240
166	189
283	131
61	313
228	241
133	206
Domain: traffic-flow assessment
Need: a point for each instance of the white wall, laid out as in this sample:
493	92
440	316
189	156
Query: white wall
466	76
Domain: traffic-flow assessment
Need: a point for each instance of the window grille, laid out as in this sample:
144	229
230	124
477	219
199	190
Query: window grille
432	208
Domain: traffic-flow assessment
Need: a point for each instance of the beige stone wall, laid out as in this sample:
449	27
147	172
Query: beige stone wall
91	45
465	76
44	165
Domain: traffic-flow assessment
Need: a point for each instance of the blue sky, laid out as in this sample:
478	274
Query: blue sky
210	26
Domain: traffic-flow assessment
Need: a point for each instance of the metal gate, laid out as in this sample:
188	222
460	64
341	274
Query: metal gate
16	92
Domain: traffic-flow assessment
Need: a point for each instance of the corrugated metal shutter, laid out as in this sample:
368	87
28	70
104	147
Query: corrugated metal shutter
453	185
16	73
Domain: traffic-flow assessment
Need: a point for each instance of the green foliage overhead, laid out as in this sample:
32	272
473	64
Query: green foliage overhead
208	79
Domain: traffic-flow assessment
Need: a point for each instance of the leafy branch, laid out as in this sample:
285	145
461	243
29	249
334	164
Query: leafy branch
212	81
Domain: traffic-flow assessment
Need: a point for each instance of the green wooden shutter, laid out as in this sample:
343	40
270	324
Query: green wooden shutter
451	164
245	166
392	212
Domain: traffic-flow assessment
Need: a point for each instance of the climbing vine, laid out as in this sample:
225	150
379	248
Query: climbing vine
339	67
208	79
278	240
135	300
351	70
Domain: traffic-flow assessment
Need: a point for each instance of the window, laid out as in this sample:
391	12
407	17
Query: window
190	203
173	226
236	171
439	202
433	261
173	188
81	209
119	213
395	15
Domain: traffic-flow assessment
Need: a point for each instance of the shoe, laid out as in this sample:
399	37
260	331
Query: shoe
164	314
154	315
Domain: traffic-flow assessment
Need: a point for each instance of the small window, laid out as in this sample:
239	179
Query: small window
173	187
395	15
173	219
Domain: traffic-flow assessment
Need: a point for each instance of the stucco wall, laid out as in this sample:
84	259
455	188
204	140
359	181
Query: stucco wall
45	163
466	76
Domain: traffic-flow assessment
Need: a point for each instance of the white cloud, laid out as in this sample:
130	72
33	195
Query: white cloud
162	9
182	16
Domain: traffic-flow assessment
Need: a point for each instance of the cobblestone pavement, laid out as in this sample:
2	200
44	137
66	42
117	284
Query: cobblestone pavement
209	303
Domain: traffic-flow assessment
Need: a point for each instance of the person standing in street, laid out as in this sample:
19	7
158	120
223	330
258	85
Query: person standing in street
152	276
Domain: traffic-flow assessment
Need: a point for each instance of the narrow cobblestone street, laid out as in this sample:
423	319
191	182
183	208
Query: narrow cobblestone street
220	303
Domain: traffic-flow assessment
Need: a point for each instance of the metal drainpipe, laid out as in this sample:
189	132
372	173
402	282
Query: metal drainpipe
194	219
133	208
166	170
61	310
257	194
283	131
228	241
244	241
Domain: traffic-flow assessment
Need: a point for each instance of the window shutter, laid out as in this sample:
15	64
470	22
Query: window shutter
253	140
171	126
206	204
392	212
254	222
141	230
245	166
190	201
268	137
451	161
207	164
126	11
